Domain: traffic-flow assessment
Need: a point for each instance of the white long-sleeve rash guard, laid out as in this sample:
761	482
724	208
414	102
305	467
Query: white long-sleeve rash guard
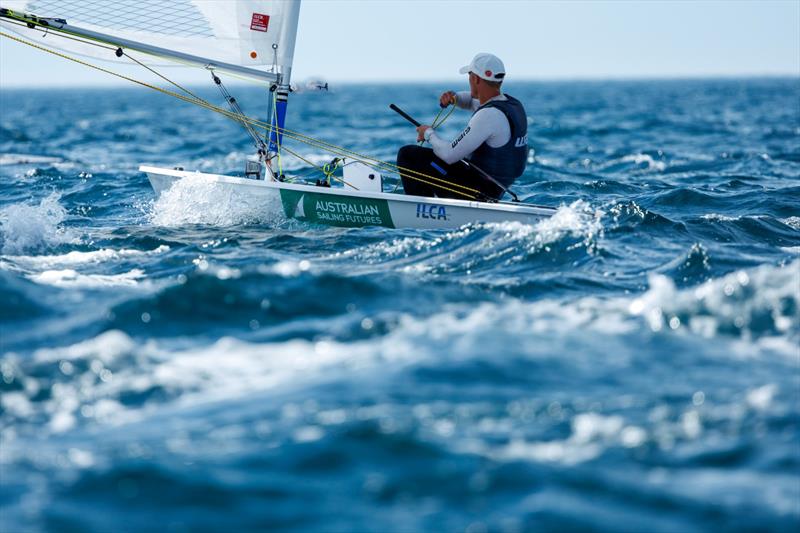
488	125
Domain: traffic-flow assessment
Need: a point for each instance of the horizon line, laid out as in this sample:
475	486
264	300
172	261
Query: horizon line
113	83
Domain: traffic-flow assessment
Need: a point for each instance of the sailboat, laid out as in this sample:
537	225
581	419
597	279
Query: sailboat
253	39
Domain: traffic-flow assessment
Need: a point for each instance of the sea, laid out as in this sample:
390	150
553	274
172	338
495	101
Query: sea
195	362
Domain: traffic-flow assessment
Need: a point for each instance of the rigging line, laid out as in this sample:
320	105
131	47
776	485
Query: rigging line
234	105
415	178
383	165
356	188
111	48
379	165
376	163
341	180
369	161
184	89
50	31
435	124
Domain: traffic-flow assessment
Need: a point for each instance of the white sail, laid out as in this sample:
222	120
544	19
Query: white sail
247	33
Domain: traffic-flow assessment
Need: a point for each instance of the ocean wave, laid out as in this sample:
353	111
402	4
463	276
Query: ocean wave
716	217
74	279
759	303
267	302
641	162
792	222
689	268
748	312
476	247
75	257
113	379
29	227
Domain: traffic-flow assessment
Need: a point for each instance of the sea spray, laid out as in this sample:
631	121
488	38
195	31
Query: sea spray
200	200
27	227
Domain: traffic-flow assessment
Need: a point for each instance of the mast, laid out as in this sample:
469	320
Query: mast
60	25
284	57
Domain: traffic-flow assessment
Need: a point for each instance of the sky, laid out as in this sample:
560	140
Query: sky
415	40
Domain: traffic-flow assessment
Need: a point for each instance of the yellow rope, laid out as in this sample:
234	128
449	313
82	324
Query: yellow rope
317	143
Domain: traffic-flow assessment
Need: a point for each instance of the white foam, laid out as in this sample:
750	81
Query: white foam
509	240
26	227
227	369
761	398
792	222
82	258
638	159
719	218
201	200
106	347
578	219
646	159
71	278
112	365
591	434
732	301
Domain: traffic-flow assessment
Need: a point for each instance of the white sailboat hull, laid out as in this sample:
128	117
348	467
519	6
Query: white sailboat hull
350	208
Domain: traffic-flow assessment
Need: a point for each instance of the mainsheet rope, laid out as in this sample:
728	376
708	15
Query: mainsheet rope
316	143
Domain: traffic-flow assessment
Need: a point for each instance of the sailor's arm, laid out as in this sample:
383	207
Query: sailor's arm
464	100
462	146
461	99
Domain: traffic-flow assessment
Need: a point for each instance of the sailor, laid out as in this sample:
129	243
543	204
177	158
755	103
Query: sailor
488	155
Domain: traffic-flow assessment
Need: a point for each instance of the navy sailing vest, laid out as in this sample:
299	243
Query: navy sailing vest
506	163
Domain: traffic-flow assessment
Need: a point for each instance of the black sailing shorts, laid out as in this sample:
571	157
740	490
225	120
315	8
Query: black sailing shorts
421	160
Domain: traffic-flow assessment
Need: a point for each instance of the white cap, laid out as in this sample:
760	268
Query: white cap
486	66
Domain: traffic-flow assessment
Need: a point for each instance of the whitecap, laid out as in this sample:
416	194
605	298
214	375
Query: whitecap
646	159
232	368
81	258
106	347
71	278
792	222
500	240
26	227
716	217
732	302
761	398
646	162
591	434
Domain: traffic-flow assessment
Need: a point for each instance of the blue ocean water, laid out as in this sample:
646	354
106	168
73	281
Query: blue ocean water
192	364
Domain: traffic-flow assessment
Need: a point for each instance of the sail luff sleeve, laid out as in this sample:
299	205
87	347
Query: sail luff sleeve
287	40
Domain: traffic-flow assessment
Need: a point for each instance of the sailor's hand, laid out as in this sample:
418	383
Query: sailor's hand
447	98
421	132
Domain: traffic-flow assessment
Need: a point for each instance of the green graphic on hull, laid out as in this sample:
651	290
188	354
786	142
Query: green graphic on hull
336	210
